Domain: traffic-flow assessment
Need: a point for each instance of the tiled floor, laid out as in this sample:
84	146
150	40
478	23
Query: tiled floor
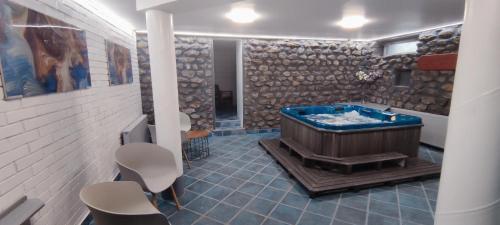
240	184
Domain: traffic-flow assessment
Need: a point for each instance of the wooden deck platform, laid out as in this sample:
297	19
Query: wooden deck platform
318	181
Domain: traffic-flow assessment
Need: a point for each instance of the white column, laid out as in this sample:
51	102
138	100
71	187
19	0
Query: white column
164	81
469	191
239	80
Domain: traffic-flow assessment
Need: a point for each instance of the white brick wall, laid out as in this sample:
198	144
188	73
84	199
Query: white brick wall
51	146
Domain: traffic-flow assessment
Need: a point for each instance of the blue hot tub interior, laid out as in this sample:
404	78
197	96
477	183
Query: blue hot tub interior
386	119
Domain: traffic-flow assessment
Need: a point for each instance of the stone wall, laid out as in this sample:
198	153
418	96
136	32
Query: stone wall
145	76
194	76
280	73
428	91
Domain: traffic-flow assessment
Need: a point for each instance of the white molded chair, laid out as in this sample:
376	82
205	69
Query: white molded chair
185	122
150	165
121	202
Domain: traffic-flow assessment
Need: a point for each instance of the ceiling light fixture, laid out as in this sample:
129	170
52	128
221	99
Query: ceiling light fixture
242	15
353	22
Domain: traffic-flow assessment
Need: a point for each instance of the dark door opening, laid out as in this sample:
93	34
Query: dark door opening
225	79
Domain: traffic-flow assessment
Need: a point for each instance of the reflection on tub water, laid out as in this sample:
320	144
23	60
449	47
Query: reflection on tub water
346	118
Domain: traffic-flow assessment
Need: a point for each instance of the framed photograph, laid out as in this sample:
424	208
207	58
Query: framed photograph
119	64
39	54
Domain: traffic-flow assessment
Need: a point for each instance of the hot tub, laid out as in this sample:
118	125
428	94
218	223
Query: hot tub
343	130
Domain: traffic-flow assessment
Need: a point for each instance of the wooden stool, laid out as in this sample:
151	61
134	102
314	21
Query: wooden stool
197	144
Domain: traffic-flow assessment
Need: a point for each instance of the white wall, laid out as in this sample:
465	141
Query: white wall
53	145
225	65
435	126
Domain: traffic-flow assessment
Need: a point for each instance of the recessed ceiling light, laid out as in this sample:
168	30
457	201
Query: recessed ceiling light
242	15
352	22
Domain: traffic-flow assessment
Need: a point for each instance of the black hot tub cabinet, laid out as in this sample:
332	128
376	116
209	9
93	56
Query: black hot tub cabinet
320	149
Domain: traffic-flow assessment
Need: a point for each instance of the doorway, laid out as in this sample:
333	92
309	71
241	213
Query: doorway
228	83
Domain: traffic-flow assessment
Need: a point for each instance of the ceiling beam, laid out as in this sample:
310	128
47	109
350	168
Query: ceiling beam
179	6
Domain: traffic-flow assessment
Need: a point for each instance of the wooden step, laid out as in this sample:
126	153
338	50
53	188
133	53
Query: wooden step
362	159
318	181
347	162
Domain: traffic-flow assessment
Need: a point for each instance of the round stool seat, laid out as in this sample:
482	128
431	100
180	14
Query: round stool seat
197	134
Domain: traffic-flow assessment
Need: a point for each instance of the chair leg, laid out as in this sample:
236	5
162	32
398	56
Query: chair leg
174	196
154	200
187	159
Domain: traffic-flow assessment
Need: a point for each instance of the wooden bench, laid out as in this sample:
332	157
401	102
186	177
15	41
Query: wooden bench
347	162
21	212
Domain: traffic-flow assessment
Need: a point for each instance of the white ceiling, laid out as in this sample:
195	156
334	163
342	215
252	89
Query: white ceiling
310	18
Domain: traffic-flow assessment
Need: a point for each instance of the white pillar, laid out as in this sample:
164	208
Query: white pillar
164	81
239	80
469	191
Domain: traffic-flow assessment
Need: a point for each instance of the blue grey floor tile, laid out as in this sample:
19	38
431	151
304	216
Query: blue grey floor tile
432	184
313	219
247	218
250	188
198	173
261	206
262	179
254	167
281	184
324	208
386	209
188	180
200	187
339	222
416	216
356	202
227	170
201	204
184	217
232	182
207	221
286	214
237	163
218	192
384	195
354	216
272	194
270	221
223	212
187	197
374	219
298	189
243	174
431	194
295	200
210	166
414	202
332	198
411	190
238	199
247	158
215	178
167	208
270	170
433	205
